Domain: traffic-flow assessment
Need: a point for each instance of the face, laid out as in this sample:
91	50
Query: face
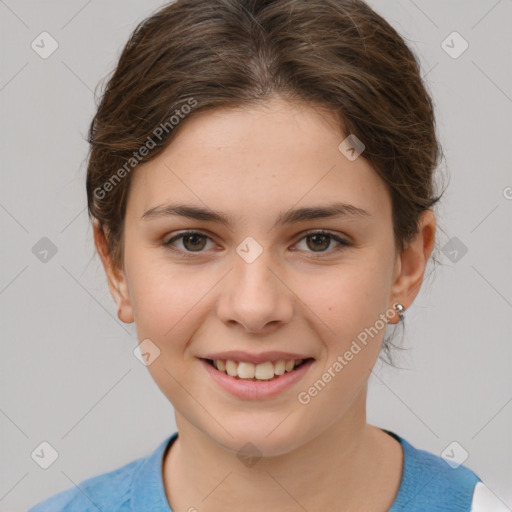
264	281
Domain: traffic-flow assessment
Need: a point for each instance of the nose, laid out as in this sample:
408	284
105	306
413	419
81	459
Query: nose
255	296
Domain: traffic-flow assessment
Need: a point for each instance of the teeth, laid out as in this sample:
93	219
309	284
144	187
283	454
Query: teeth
261	371
264	371
231	368
245	370
279	367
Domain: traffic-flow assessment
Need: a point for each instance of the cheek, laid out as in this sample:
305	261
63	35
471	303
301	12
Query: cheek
164	297
167	301
344	300
352	304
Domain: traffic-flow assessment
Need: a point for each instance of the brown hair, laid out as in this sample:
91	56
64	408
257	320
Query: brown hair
197	55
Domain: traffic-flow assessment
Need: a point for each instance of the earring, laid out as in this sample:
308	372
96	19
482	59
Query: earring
399	308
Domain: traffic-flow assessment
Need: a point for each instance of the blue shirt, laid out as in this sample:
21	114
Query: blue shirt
428	484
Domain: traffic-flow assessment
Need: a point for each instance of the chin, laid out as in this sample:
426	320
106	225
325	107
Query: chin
258	440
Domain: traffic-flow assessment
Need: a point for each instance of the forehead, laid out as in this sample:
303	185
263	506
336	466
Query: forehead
258	160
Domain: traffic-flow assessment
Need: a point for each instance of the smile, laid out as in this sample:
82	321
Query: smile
249	381
263	371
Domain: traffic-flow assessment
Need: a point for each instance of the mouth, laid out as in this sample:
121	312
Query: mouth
262	381
266	371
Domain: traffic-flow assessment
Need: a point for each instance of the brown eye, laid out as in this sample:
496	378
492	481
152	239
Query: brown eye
192	241
319	242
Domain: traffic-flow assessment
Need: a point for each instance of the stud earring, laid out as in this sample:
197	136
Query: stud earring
399	308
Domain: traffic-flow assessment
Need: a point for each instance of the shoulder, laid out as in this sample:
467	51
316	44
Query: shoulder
121	490
433	483
439	472
135	486
107	491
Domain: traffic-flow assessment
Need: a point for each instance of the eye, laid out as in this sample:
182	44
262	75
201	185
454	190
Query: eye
193	241
319	241
322	240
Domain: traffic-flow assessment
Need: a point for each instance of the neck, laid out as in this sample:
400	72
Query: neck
331	472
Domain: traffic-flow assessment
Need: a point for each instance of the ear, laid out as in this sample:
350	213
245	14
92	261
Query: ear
115	276
411	263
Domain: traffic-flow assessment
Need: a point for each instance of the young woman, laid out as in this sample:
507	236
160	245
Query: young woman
261	186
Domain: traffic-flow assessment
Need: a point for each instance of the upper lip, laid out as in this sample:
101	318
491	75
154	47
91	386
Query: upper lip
238	355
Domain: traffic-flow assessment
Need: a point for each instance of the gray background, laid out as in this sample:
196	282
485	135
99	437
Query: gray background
68	374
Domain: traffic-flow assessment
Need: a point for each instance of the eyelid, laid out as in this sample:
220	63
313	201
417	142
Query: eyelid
334	234
182	234
340	240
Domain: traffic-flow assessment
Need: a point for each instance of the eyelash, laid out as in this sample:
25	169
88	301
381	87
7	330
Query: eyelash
190	254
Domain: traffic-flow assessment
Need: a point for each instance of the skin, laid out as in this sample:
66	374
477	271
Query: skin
253	164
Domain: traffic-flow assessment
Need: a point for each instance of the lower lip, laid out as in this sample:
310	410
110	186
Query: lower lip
256	390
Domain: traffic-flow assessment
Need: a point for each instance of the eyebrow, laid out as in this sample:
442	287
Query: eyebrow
337	209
